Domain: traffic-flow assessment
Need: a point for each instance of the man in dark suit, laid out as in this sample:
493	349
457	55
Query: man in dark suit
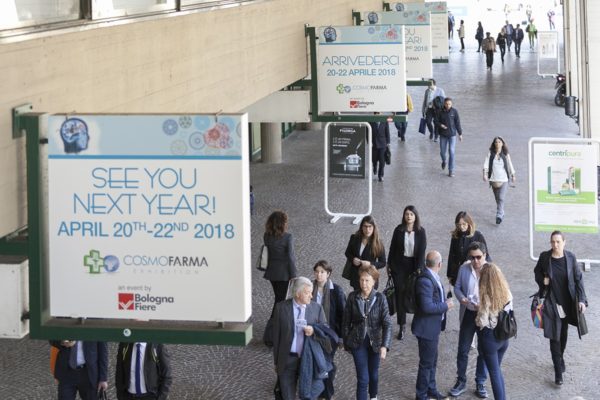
143	371
518	36
428	322
80	367
292	321
380	132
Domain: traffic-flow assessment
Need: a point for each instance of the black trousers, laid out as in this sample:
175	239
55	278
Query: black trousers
378	158
280	290
518	47
430	119
489	58
557	347
400	274
288	379
78	381
462	43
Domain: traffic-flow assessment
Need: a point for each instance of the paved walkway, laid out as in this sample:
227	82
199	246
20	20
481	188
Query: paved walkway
510	101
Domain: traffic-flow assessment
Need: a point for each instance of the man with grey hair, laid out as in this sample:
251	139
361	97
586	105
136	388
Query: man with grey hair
428	322
293	319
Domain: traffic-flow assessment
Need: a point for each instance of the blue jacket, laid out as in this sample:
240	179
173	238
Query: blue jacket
461	288
314	368
431	306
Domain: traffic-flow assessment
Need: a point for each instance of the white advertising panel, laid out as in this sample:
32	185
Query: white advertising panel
361	68
565	187
417	39
439	24
547	45
149	217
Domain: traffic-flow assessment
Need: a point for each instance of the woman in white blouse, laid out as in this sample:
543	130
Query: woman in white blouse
494	296
498	170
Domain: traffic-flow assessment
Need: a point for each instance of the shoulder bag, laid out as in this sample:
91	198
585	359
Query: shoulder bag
507	325
390	295
537	308
263	258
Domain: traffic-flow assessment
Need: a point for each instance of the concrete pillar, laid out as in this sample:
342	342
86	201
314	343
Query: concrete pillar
315	126
270	143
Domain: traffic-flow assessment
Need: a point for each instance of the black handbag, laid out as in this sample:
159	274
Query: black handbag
390	295
102	395
422	125
506	326
387	156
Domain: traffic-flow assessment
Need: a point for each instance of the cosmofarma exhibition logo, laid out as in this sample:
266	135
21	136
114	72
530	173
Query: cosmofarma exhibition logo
97	264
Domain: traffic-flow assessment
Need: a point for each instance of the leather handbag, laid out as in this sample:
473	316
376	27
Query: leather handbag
390	295
387	155
263	258
506	326
537	308
422	125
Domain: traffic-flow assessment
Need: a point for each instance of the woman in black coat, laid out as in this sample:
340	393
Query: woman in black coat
281	266
367	332
559	277
463	235
407	253
364	248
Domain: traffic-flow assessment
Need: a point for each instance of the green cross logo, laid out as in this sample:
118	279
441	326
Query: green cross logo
340	88
94	262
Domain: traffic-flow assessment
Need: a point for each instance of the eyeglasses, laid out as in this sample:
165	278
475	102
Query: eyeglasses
473	258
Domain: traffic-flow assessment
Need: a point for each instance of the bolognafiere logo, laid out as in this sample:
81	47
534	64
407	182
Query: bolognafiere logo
142	302
126	301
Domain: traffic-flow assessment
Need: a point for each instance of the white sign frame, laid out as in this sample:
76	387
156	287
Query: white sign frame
158	247
548	49
378	79
337	215
534	170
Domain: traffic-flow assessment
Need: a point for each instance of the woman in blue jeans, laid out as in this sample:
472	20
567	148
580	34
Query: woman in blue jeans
367	332
494	296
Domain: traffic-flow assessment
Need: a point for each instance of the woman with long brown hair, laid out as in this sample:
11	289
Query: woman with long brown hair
463	235
498	170
494	296
407	253
281	266
364	248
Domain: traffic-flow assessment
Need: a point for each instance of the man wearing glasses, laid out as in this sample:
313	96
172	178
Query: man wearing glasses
466	291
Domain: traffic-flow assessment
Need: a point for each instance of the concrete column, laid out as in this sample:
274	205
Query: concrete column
315	126
270	143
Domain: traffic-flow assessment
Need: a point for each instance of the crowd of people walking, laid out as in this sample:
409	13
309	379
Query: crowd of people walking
317	317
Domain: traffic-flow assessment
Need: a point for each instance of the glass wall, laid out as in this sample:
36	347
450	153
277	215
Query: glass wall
121	8
20	13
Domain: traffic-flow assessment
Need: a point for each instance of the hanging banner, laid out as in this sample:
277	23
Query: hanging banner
565	187
439	24
417	36
547	45
361	68
347	150
149	217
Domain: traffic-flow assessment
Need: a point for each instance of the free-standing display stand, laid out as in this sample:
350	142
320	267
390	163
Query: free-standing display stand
352	165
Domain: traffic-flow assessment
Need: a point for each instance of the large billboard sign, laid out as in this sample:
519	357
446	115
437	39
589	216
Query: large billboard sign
565	191
361	68
148	217
439	24
417	39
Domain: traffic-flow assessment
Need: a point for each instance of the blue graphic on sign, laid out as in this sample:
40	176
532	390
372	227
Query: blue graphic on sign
74	134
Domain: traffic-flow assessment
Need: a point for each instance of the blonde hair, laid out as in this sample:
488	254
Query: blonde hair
494	292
